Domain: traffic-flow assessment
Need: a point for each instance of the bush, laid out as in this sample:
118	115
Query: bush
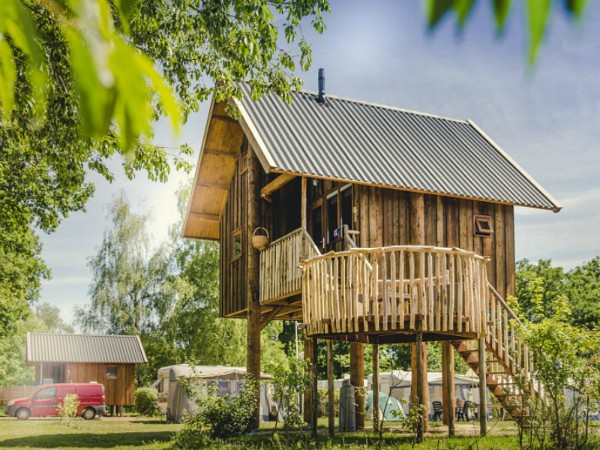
324	402
145	400
218	418
67	410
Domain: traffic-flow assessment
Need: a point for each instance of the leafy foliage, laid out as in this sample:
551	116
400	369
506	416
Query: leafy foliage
67	410
567	359
13	370
145	401
290	381
538	13
218	418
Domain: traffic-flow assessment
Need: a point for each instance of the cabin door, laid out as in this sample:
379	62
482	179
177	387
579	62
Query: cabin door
329	212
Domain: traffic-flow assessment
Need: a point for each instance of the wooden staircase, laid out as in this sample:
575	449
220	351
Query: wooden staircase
509	363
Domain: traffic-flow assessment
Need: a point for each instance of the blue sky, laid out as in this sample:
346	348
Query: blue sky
380	51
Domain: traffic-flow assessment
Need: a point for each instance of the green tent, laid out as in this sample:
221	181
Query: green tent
389	407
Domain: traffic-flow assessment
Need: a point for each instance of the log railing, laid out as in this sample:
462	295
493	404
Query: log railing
280	273
506	343
395	288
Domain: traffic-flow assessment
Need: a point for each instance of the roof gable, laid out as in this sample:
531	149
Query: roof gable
80	348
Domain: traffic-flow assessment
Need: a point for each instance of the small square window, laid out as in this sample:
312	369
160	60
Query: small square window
236	244
483	225
111	373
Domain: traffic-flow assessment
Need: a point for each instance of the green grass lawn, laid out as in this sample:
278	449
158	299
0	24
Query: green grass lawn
125	433
132	432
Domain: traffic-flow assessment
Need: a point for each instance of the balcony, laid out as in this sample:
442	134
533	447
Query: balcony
280	272
396	291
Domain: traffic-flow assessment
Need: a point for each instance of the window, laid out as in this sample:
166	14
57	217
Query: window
46	394
483	225
111	373
332	217
236	244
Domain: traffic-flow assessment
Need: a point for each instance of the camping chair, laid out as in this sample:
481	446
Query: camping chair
469	406
437	410
460	413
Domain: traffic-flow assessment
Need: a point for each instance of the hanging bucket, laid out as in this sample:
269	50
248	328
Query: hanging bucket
260	238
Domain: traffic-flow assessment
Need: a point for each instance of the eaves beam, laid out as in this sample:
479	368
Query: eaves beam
276	184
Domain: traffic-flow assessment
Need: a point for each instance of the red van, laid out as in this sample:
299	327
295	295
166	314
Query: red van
45	401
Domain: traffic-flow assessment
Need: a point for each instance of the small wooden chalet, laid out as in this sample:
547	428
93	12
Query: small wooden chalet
384	226
77	358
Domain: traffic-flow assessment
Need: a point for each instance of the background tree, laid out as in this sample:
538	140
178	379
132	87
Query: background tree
13	370
77	86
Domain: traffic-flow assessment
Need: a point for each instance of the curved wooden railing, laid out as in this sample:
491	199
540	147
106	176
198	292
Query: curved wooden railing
433	289
280	272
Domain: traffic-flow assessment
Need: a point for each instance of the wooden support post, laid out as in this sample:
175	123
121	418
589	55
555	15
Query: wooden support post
448	395
357	379
307	404
330	389
417	237
420	390
303	204
314	388
376	406
252	298
482	388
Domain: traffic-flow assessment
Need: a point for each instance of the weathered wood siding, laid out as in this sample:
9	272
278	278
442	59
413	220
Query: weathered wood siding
234	271
118	391
384	219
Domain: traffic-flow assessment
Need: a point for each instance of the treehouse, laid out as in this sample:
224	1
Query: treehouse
369	224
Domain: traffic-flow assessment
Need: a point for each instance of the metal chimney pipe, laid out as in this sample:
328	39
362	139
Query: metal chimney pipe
321	98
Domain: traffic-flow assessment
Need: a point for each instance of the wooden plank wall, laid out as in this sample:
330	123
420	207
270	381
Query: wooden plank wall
233	272
384	218
119	391
233	276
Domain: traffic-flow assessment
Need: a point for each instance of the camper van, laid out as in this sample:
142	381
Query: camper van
174	402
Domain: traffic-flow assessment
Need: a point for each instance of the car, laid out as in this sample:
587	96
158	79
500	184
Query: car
46	400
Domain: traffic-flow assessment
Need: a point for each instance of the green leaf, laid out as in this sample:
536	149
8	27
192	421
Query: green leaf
538	12
575	7
8	76
436	10
17	23
463	8
501	9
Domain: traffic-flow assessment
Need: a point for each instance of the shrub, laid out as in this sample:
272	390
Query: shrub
145	400
67	410
218	418
324	402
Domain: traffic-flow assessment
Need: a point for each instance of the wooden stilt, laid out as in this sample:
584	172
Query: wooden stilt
330	389
420	390
307	404
482	388
376	406
254	325
448	396
357	379
303	203
314	388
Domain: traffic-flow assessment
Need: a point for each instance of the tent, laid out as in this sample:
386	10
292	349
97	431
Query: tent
390	408
173	398
397	384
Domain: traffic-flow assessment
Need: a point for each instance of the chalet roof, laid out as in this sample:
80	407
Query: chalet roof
79	348
351	140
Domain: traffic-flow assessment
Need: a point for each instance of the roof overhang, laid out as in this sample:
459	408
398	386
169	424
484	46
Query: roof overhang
220	150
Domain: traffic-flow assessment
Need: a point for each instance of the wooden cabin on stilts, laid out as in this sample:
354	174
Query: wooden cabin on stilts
369	224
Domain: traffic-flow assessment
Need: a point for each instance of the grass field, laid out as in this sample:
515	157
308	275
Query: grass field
131	432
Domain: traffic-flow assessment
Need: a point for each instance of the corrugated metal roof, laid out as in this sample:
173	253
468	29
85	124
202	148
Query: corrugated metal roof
47	347
346	139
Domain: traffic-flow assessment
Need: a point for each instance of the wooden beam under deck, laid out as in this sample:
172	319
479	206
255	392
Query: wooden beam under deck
276	184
